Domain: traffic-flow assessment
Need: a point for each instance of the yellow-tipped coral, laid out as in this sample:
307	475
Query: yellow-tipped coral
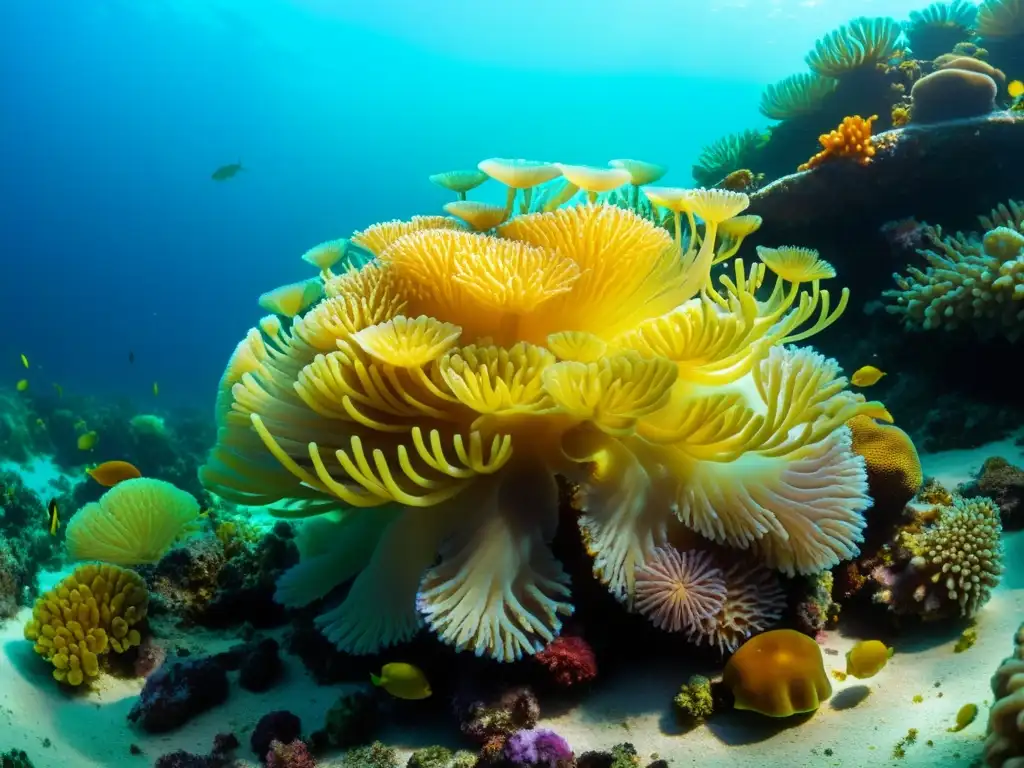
438	392
292	299
89	614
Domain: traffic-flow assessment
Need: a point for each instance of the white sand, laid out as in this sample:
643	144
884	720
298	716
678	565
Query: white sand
91	730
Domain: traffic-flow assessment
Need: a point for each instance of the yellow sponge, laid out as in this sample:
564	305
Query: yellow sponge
88	615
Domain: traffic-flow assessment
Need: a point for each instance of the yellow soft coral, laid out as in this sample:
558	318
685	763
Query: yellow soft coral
778	674
89	614
852	139
894	468
440	389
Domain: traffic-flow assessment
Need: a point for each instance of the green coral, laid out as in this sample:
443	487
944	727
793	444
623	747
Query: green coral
441	757
694	700
352	719
727	154
376	755
91	613
16	758
857	45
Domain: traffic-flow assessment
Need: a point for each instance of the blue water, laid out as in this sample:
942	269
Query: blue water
115	112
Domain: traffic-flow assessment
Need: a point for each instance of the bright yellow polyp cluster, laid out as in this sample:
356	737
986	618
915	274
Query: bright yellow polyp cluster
89	614
440	390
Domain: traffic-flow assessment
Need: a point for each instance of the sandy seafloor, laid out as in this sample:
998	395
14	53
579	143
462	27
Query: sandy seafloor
858	727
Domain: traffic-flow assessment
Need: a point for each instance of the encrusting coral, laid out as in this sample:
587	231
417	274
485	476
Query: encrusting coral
852	139
89	614
973	281
437	392
946	564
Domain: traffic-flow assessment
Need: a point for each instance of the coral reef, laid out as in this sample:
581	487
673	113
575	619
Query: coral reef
281	726
88	615
376	755
695	701
441	757
779	674
971	281
538	747
852	140
449	391
946	563
862	43
1004	747
294	754
178	692
815	610
1002	482
25	545
569	661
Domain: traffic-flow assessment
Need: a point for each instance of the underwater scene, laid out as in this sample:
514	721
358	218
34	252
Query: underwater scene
566	384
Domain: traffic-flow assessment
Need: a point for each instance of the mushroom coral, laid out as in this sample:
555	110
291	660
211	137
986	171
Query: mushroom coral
450	380
778	674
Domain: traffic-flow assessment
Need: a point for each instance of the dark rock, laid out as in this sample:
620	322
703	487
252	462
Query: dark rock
16	758
352	720
322	660
182	759
177	692
281	726
134	749
223	743
261	668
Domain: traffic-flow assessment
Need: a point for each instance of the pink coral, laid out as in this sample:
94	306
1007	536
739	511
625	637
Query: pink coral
754	601
569	660
678	591
293	755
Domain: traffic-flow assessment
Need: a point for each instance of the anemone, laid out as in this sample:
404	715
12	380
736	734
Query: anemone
1000	19
437	392
861	43
940	27
796	96
725	155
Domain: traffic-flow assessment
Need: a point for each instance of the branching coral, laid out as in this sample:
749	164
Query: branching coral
852	139
948	564
796	96
91	613
861	43
940	27
970	281
439	390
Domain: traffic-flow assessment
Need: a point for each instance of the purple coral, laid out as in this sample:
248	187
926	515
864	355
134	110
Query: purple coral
679	590
537	747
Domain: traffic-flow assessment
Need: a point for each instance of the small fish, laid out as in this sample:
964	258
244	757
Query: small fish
87	441
60	390
867	658
964	717
403	681
110	473
131	357
24	361
226	172
878	411
156	389
1015	89
866	376
22	385
53	516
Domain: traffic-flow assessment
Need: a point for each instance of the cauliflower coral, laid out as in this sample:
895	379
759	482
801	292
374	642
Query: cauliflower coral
438	391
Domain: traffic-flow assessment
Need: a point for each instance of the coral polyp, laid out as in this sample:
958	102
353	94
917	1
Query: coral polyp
439	391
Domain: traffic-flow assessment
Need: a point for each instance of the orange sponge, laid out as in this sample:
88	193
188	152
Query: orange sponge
851	139
894	468
778	674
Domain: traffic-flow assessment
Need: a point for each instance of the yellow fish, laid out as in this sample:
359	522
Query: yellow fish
964	717
87	441
866	376
1015	89
22	385
24	361
403	681
110	473
53	513
867	658
156	389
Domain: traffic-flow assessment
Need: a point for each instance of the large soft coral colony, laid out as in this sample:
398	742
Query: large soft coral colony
438	391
